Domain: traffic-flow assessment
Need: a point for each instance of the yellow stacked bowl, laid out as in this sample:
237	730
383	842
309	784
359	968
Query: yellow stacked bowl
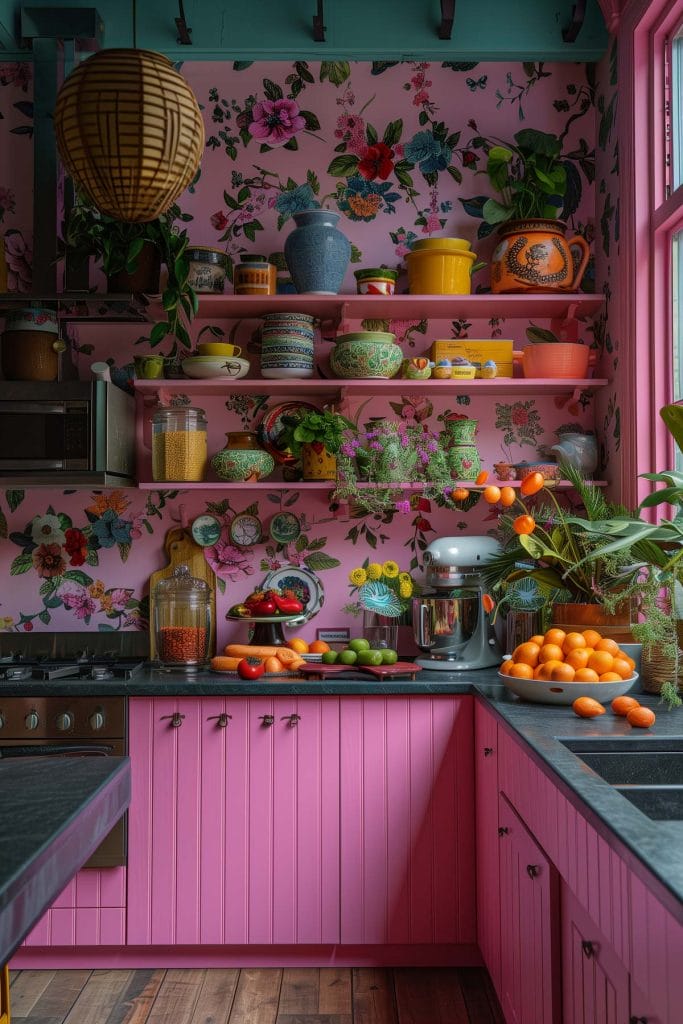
440	266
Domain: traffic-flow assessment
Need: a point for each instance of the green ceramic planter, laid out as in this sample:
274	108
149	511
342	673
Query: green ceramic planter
242	459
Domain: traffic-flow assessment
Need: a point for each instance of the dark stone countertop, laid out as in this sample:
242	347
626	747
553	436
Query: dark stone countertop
54	812
654	849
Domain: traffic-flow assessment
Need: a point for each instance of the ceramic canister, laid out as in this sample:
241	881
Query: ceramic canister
207	269
31	345
254	275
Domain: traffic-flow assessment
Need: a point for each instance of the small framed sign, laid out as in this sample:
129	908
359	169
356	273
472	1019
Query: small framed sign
340	635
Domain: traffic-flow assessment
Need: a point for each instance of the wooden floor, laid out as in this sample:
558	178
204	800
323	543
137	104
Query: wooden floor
407	995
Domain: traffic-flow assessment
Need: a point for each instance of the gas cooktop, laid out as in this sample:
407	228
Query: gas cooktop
16	669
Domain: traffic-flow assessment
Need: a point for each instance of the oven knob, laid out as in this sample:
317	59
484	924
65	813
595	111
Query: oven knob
96	721
65	721
32	721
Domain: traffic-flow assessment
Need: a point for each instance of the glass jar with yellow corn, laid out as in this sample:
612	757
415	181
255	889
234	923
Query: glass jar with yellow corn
179	450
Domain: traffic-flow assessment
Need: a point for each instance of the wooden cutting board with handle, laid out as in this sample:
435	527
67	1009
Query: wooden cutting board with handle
181	549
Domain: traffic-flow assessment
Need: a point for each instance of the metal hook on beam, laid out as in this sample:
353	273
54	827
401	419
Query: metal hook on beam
319	24
184	33
572	30
447	18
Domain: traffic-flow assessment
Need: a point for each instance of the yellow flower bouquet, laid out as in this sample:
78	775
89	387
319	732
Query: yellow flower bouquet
381	587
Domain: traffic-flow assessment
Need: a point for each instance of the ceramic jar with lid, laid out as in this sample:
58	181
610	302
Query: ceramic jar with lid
182	620
242	459
179	447
208	268
254	275
31	345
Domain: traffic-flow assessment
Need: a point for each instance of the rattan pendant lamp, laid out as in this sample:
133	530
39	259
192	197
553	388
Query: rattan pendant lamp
129	132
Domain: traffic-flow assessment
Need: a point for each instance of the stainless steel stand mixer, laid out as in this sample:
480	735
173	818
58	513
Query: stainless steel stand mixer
449	621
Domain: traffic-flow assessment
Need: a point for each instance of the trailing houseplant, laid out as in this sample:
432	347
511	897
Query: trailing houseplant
316	438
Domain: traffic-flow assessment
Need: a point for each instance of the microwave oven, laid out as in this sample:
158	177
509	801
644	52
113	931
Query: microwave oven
70	432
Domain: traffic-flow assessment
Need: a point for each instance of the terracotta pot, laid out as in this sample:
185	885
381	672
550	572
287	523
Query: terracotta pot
317	463
558	360
145	277
575	617
534	256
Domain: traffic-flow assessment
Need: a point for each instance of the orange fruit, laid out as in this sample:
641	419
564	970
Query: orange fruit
537	638
622	667
562	674
506	666
318	647
507	496
524	525
532	483
586	675
550	652
491	494
642	718
622	705
578	658
521	671
460	494
545	670
607	644
483	477
555	636
273	664
610	677
591	636
527	653
631	662
572	641
601	661
586	707
298	644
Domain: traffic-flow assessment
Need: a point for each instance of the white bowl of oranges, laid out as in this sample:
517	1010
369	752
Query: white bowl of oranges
559	666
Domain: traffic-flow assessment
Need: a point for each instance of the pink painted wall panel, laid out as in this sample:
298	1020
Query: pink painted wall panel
487	839
407	853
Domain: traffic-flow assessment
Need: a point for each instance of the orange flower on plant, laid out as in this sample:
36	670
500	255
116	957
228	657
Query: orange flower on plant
532	483
524	524
115	500
492	494
483	477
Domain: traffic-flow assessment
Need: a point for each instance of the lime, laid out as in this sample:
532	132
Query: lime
389	657
369	657
329	657
360	644
347	657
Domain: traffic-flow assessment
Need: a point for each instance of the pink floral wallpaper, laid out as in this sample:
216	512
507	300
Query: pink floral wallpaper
396	148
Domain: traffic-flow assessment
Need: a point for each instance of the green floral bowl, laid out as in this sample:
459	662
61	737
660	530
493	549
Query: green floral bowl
366	355
242	465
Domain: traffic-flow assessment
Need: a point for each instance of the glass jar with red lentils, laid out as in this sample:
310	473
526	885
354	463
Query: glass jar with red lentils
182	620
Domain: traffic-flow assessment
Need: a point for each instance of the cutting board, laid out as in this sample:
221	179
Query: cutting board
181	549
400	668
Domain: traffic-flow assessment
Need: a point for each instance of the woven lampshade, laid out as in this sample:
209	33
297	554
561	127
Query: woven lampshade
129	132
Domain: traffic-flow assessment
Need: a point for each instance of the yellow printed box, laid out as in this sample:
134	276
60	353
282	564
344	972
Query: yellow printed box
476	351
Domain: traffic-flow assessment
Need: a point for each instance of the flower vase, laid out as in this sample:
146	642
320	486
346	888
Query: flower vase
380	630
317	252
461	450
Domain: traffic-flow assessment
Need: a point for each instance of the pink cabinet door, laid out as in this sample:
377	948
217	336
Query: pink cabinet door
407	820
488	840
529	926
595	984
234	821
90	911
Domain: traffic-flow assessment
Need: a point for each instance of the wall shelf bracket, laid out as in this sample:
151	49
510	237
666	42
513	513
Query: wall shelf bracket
319	24
571	31
184	33
447	18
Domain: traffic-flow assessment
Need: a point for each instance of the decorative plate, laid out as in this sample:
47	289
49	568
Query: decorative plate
245	530
286	620
271	427
284	528
206	530
305	584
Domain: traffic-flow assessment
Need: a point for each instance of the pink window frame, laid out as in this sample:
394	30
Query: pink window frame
648	222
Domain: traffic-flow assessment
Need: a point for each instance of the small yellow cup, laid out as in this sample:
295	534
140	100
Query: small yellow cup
218	348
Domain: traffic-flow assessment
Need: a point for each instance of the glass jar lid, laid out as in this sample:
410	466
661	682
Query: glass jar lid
182	585
179	417
252	258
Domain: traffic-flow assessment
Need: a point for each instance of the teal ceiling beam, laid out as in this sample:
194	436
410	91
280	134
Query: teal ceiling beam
367	30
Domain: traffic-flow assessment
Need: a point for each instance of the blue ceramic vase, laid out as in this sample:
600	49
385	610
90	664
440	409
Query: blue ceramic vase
317	252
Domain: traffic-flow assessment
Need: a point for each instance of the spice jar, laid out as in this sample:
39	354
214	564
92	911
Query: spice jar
179	449
254	275
182	619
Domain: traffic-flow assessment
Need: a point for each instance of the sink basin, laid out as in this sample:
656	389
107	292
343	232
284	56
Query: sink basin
648	772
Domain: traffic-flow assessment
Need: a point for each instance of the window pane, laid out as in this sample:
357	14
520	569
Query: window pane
677	321
677	110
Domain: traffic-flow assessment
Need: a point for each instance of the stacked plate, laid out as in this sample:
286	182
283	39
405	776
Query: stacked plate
287	345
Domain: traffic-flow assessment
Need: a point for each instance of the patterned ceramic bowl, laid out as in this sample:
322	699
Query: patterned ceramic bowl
366	355
549	470
208	367
242	464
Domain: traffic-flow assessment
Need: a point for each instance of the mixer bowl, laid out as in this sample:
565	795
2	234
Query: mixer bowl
443	626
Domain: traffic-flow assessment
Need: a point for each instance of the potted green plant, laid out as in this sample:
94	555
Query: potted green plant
131	255
316	439
531	177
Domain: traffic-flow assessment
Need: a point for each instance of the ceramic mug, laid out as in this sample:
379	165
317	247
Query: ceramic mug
218	348
149	367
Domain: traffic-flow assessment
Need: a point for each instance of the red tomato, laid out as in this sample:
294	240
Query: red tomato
250	669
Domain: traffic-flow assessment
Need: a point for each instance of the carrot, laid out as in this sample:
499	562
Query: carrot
222	664
262	651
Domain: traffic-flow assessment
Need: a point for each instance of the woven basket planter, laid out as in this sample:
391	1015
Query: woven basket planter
129	132
657	670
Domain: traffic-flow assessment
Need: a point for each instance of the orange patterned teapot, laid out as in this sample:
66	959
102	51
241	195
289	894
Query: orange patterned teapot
534	256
